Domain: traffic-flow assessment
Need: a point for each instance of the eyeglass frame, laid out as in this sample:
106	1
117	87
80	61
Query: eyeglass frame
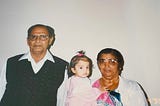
110	60
40	37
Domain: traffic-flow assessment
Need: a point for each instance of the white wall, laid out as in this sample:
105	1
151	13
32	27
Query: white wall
131	26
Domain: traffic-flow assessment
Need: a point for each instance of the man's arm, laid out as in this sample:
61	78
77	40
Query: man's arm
3	81
61	95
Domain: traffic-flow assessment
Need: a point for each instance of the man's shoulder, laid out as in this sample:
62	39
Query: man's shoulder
15	57
58	59
13	60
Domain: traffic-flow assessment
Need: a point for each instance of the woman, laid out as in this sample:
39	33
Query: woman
121	91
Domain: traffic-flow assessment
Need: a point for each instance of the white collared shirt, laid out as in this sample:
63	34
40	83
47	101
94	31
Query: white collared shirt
37	66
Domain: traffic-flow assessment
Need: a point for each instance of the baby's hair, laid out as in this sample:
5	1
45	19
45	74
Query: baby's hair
80	56
81	53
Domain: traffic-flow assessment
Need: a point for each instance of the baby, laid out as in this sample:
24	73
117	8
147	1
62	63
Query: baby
79	88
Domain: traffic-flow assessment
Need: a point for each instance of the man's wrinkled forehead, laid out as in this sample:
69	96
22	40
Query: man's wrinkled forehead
39	30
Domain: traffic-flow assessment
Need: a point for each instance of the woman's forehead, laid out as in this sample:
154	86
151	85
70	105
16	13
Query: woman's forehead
107	55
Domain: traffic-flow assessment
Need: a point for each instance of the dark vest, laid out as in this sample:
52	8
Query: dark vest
25	88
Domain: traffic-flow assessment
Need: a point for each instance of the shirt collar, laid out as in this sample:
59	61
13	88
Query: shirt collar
28	56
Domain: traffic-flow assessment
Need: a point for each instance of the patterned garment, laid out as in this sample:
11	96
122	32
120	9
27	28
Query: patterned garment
108	98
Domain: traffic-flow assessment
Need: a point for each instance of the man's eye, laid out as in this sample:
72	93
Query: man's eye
32	37
43	36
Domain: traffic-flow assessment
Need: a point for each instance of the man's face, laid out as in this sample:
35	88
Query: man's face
39	40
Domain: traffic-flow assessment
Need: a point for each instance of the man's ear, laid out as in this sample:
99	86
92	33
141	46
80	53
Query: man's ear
27	41
51	40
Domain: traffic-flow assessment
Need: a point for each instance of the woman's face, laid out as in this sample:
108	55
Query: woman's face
108	66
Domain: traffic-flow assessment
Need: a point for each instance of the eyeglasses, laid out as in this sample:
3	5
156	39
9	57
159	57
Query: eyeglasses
35	37
110	61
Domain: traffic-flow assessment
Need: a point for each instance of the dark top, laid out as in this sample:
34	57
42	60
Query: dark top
25	88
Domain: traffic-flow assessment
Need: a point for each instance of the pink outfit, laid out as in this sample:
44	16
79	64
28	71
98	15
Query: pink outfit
80	92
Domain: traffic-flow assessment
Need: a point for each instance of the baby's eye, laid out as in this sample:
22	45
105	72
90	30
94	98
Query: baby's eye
80	67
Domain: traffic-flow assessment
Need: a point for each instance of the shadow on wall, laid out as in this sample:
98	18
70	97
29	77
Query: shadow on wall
149	104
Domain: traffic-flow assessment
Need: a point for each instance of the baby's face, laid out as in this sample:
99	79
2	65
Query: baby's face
81	69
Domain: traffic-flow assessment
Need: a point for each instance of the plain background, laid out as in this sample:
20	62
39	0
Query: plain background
131	26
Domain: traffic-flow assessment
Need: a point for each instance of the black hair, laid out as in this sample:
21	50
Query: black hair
116	54
49	28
